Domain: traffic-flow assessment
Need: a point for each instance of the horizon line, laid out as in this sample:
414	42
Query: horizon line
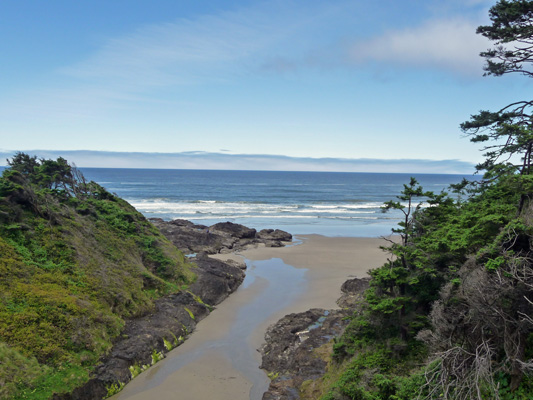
214	161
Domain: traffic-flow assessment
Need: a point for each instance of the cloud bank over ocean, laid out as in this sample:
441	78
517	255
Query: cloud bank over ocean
260	162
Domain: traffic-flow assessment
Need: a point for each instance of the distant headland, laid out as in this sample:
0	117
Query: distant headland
260	162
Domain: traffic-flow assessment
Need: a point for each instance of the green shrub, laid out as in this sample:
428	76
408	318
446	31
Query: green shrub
76	262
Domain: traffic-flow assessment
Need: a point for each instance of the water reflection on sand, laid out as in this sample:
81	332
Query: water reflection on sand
224	342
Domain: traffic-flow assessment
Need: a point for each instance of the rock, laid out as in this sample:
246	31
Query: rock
233	230
184	222
352	292
224	237
273	243
238	264
216	280
173	318
271	234
291	354
192	238
298	347
355	285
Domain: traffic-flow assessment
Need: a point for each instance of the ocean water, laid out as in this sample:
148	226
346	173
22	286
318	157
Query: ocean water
326	203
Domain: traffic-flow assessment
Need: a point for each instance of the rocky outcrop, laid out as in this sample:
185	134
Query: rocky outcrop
229	229
216	279
274	234
224	237
352	292
173	318
290	353
298	346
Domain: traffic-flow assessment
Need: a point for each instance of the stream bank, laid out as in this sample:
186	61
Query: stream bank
221	360
146	340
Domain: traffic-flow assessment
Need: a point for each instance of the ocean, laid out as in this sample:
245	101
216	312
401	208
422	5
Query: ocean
325	203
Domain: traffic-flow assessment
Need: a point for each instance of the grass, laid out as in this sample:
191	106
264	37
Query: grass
71	271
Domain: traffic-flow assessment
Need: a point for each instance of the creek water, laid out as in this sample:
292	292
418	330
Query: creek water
231	331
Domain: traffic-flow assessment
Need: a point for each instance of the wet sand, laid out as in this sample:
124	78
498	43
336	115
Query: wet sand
220	360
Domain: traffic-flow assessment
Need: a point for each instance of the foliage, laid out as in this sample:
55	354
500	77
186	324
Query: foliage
460	281
189	312
511	24
114	388
509	129
458	285
376	372
405	204
136	369
157	356
76	262
17	370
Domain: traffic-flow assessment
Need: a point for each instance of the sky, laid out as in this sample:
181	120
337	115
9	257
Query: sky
289	81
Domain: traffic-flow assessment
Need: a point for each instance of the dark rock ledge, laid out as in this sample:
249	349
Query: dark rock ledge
173	319
175	316
298	346
224	237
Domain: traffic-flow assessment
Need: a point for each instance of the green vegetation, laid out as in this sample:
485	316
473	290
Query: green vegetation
157	356
450	315
76	261
114	388
190	313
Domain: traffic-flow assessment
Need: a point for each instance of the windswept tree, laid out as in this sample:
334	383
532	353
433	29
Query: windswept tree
395	294
512	32
29	179
508	131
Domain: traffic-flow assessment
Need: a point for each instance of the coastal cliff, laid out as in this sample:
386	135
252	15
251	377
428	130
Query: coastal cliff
92	293
77	263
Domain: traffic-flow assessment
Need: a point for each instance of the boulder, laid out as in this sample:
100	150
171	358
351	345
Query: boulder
184	222
277	234
192	238
352	292
233	230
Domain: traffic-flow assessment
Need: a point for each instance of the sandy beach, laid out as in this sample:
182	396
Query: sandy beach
220	359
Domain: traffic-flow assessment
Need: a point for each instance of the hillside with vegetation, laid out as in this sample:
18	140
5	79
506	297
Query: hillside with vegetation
76	262
450	315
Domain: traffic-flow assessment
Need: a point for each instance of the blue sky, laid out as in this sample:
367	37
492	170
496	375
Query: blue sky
303	79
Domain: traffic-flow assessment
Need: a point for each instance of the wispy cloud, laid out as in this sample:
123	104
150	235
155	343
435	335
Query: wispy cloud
263	162
130	68
450	44
184	51
150	65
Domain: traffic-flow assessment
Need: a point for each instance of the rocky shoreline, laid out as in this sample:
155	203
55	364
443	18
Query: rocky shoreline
297	348
148	338
224	237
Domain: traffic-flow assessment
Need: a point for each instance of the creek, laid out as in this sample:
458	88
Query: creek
221	359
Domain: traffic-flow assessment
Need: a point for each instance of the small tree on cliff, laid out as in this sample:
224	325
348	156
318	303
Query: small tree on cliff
395	287
407	205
